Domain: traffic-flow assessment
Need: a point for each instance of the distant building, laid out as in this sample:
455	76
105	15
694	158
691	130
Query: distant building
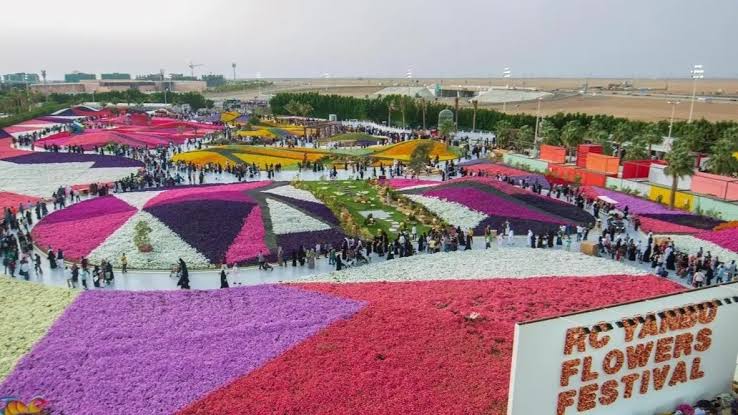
21	78
150	77
89	86
77	76
115	76
181	77
213	81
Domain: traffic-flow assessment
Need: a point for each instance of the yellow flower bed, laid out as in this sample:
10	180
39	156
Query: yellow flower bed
27	311
404	150
257	133
262	161
202	157
296	153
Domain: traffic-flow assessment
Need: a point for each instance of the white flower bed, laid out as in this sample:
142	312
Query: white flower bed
475	264
690	244
167	247
452	212
286	219
137	199
294	193
41	180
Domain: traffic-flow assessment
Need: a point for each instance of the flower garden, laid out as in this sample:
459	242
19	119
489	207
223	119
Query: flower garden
205	225
27	176
261	156
478	202
354	200
278	348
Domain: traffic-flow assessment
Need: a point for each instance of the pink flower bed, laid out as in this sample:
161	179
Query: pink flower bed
727	238
231	192
250	241
401	183
77	238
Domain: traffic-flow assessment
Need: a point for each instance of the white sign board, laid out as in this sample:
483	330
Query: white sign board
637	358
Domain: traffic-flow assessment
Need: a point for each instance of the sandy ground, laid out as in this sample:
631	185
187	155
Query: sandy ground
631	104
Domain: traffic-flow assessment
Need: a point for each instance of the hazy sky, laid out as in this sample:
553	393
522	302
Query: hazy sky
295	38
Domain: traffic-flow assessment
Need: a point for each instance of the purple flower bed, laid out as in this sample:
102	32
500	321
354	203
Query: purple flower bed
534	179
519	226
100	206
694	221
489	203
156	352
556	207
210	226
100	161
291	242
636	205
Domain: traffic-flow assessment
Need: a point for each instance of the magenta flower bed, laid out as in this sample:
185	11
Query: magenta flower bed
727	238
231	192
489	204
250	240
77	238
105	205
152	353
636	205
401	183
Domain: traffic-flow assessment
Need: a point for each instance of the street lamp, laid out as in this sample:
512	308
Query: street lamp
698	72
538	123
506	75
166	89
673	110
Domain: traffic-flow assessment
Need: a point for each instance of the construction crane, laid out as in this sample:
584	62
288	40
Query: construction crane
192	67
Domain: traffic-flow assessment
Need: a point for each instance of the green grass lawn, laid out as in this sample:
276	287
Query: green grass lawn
358	196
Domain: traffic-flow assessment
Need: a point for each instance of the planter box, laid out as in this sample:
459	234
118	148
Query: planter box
603	164
657	176
553	154
722	187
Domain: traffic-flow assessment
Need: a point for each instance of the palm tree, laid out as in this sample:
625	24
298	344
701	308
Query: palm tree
681	164
550	133
390	107
652	136
637	148
622	133
723	159
572	135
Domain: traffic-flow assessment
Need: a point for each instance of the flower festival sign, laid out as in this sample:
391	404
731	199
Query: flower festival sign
636	358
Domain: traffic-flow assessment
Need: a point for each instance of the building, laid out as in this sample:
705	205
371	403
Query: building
115	76
21	78
97	86
214	80
181	77
77	76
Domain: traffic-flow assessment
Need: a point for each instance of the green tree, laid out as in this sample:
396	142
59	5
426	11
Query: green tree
550	133
572	135
722	159
446	128
652	136
637	148
681	164
505	134
420	157
623	132
525	137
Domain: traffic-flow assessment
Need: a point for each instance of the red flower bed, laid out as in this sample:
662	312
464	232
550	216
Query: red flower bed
660	226
411	349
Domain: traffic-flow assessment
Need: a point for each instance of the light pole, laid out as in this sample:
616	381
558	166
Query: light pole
673	110
166	89
538	123
698	72
506	75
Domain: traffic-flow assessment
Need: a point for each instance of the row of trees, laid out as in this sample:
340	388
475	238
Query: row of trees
22	104
629	138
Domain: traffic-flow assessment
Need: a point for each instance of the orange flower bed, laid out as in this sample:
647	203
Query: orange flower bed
404	150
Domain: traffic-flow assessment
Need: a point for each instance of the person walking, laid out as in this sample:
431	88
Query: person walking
223	277
123	264
184	276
